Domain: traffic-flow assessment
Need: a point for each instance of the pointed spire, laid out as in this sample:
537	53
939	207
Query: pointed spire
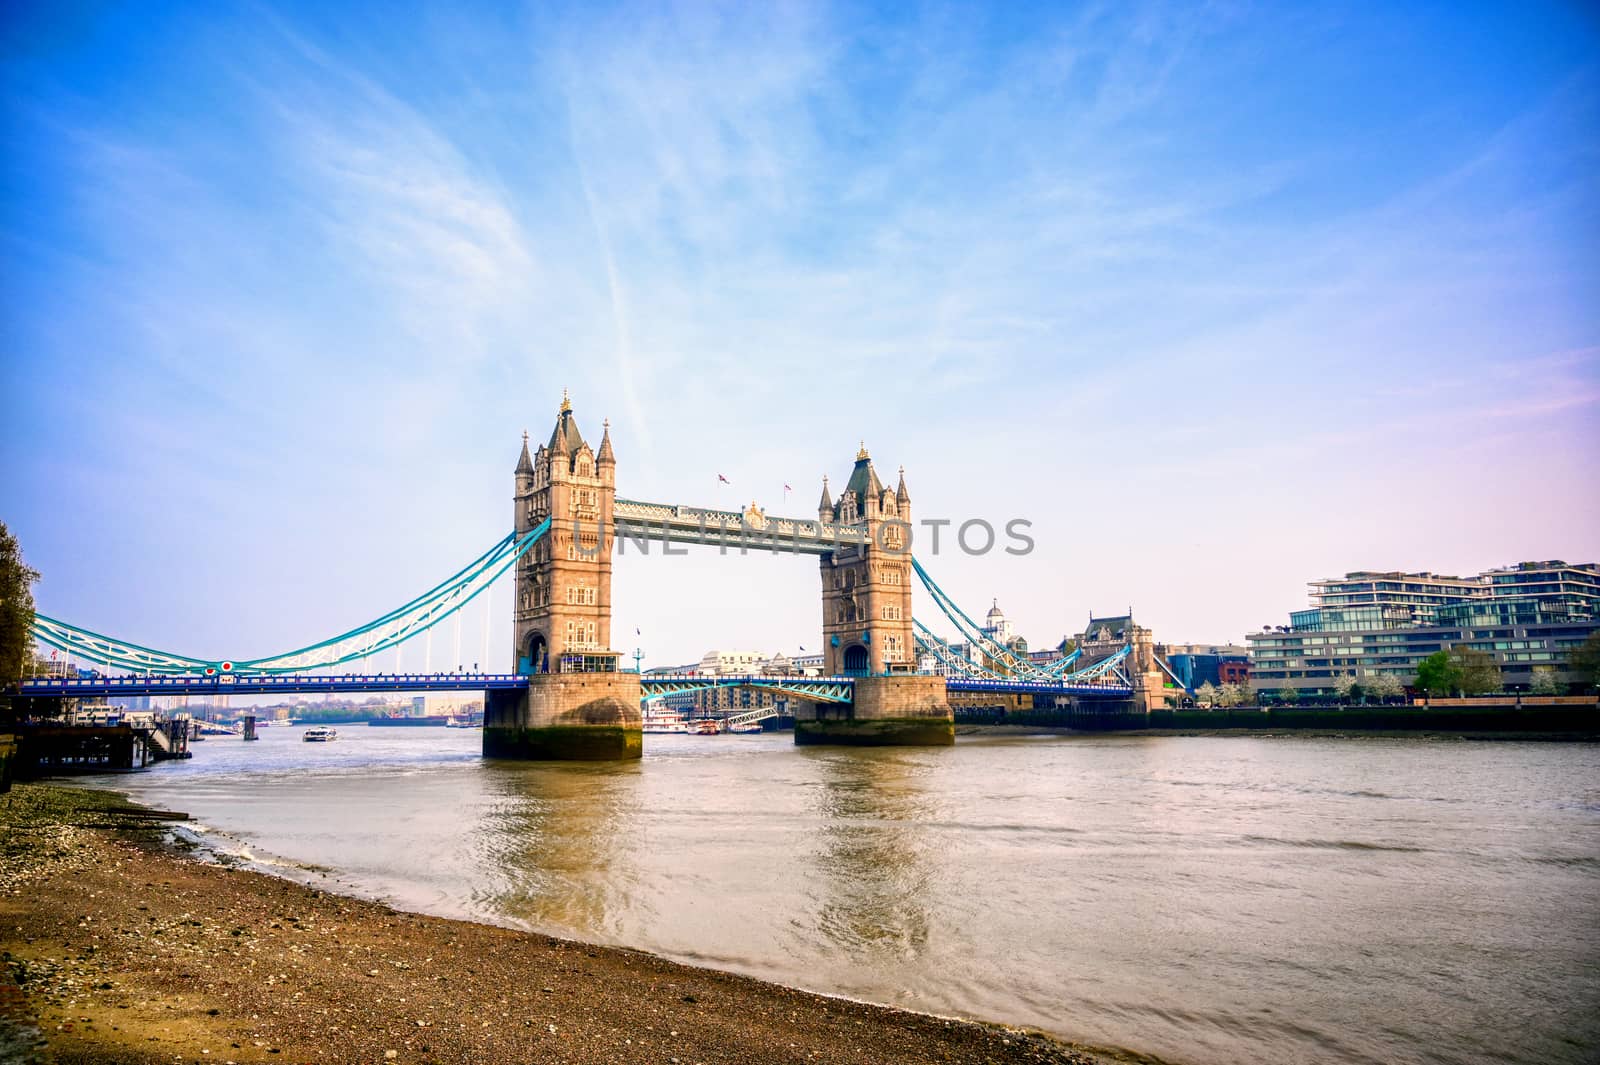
901	495
606	454
825	504
862	456
525	462
565	439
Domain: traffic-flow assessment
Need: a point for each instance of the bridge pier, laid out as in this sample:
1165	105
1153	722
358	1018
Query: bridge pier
910	710
565	717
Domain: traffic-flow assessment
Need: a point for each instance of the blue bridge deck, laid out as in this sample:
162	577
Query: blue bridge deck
270	684
829	688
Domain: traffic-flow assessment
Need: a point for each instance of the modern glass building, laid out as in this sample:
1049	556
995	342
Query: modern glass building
1558	587
1366	601
1530	616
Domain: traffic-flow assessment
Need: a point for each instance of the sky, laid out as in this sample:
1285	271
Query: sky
1221	298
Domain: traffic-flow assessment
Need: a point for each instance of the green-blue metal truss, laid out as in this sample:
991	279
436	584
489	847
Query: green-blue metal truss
817	690
395	627
1012	666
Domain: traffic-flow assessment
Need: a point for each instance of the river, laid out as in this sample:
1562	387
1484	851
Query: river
1206	900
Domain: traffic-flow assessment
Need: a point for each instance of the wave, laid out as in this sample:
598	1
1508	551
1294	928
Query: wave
1576	861
1337	844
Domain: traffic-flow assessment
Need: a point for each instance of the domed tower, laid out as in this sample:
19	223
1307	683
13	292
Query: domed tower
996	626
866	587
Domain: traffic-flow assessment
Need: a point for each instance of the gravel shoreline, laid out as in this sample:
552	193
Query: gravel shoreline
119	947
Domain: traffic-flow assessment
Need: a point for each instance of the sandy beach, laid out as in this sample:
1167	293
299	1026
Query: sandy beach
119	946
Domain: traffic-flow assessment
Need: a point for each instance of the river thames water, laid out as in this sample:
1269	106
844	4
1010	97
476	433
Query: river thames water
1206	900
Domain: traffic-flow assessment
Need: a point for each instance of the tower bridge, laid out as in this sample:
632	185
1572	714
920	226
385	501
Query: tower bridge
569	696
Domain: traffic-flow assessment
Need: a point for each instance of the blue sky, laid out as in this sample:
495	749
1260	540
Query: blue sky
1222	298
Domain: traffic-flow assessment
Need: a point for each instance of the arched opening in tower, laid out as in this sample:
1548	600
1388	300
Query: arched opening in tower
537	658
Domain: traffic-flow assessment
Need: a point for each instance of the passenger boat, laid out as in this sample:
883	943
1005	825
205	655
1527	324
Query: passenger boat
660	719
319	734
707	728
747	727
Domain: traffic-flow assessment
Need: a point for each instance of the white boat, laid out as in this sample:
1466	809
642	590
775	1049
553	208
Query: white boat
319	734
660	719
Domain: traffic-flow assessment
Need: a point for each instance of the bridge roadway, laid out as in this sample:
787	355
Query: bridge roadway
271	684
827	688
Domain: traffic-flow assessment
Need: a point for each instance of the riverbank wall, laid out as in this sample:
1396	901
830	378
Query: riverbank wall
1577	720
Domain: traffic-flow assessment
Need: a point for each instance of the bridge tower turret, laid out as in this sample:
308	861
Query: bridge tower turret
522	512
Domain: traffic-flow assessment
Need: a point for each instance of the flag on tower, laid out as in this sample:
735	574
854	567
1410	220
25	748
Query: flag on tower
723	479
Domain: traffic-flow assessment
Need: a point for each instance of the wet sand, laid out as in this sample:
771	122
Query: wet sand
121	947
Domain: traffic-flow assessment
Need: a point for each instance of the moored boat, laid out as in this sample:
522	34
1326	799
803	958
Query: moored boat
660	719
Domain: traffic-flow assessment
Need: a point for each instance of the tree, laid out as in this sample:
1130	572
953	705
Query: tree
1385	686
1230	695
1477	673
1584	661
1206	694
16	607
1288	696
1347	688
1436	674
1547	682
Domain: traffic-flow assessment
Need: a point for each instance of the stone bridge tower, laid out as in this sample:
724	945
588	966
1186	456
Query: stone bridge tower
563	585
866	625
866	588
578	704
